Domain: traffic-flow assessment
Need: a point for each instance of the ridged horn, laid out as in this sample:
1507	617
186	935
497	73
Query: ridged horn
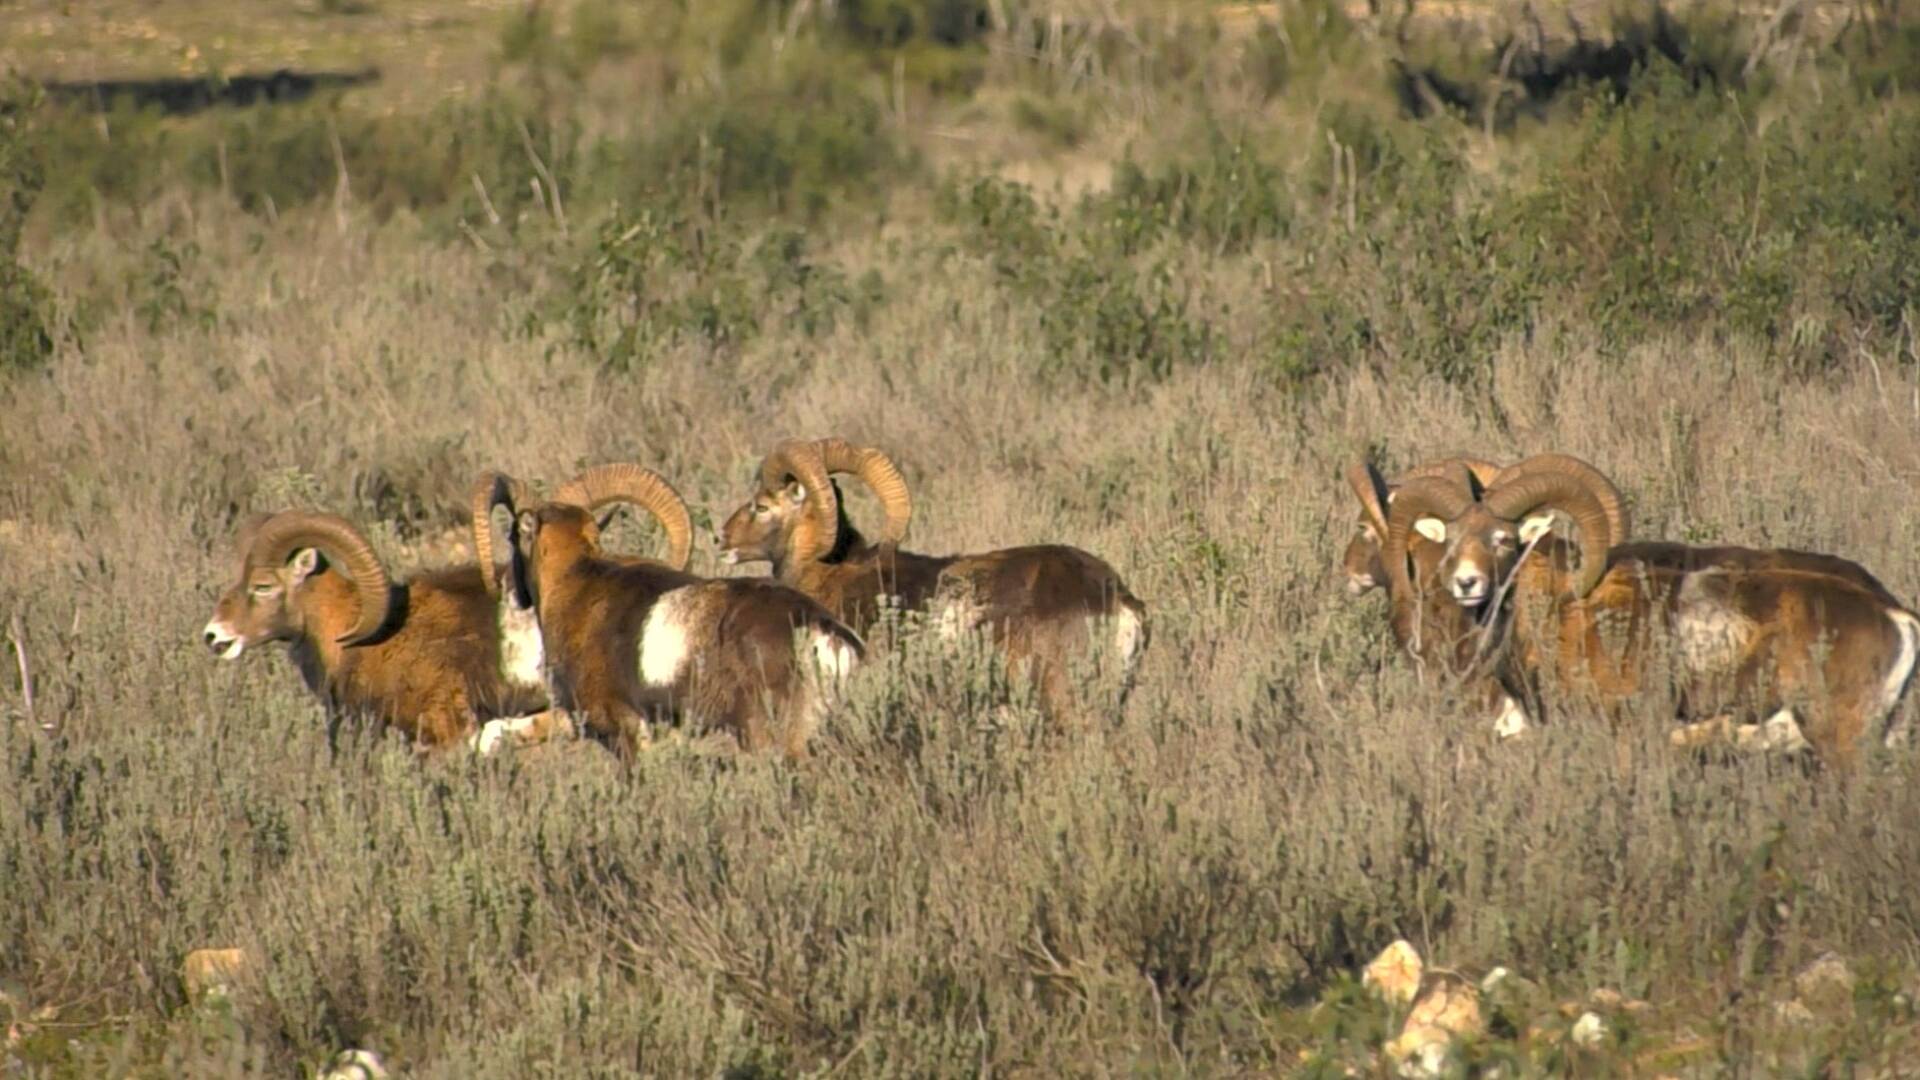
1478	474
491	490
1618	520
1424	496
881	476
603	485
797	459
1371	489
1523	490
346	549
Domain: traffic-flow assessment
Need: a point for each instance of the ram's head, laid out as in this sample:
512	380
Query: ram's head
299	569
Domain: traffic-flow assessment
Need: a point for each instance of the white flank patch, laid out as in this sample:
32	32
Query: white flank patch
1511	722
663	640
523	654
1899	673
1713	638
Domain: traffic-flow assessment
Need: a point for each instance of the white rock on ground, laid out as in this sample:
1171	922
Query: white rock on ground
1395	973
1589	1031
1447	1009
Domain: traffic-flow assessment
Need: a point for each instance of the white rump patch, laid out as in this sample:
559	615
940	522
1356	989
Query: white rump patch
663	640
1432	528
523	655
1511	721
1899	672
833	657
1129	637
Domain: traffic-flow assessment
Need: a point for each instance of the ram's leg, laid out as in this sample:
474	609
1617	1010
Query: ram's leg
1510	720
522	731
1715	729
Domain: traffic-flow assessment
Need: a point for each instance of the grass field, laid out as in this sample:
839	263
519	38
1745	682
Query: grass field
1118	279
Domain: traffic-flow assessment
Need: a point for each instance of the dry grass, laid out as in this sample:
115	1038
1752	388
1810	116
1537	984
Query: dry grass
1190	888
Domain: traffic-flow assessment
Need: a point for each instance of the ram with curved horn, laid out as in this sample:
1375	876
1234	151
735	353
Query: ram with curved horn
427	656
1437	633
632	642
1044	607
1360	562
1782	647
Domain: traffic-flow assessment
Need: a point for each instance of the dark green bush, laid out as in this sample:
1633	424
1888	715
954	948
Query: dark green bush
25	306
656	276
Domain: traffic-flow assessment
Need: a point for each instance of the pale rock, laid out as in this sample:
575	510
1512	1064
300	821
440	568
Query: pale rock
1448	1008
1395	973
1589	1031
1792	1013
1827	983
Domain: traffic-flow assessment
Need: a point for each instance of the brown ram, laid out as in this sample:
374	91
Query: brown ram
1807	643
630	641
1436	632
1041	606
424	656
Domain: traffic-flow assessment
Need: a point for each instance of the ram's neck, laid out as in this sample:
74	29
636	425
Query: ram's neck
329	608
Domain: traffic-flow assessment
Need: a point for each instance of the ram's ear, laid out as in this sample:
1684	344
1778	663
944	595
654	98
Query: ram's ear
1432	528
303	564
1535	527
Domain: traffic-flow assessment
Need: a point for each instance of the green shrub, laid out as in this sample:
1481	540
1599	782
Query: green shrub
25	305
655	277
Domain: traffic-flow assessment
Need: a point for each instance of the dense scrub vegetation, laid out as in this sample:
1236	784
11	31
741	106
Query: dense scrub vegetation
1144	281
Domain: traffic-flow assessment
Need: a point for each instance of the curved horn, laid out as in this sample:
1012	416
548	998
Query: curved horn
1424	496
604	484
1371	489
879	473
345	547
1520	493
489	491
800	460
1619	522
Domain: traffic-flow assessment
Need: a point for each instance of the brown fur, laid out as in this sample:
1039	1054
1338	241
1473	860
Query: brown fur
432	671
1036	604
1746	632
1444	636
744	674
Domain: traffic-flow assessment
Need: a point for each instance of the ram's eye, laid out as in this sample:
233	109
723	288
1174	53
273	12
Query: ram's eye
262	588
1502	540
761	510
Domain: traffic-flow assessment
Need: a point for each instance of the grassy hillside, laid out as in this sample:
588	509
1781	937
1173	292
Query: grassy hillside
1132	277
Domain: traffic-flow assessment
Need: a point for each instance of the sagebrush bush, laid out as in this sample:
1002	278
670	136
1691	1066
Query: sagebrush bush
1251	271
